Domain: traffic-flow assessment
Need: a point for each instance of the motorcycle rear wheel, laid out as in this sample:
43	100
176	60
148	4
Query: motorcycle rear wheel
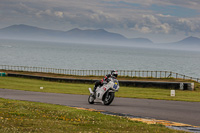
91	99
108	100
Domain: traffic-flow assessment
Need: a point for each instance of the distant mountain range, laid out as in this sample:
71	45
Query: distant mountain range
99	36
190	40
189	43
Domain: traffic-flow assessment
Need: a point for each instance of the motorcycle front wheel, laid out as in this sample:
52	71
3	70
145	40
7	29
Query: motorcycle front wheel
91	99
109	98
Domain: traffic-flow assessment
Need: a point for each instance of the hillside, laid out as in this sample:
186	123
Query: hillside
101	36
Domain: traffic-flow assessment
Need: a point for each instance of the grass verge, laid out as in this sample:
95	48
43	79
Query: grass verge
21	116
74	88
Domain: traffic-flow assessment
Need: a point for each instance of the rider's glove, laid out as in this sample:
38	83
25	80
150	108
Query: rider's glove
108	80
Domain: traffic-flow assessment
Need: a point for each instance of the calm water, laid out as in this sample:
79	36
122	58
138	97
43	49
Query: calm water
94	57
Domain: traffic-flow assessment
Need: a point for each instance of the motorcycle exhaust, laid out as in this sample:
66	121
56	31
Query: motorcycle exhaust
91	91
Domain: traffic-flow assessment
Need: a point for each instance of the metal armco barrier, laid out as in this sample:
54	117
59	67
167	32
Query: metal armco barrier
125	73
168	85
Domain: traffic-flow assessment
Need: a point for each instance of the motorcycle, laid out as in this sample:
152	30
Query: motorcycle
105	93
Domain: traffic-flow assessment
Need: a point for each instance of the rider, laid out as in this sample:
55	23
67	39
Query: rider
105	79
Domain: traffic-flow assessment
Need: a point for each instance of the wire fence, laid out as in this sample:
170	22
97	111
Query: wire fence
125	73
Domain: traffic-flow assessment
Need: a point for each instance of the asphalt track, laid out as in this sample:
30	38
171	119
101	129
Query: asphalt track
177	111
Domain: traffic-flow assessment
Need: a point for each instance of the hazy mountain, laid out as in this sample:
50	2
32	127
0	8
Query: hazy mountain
100	36
100	33
189	43
141	40
26	32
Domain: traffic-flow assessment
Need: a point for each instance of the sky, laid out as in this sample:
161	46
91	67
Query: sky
161	21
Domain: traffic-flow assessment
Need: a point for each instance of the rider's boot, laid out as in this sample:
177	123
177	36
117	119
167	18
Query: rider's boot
94	92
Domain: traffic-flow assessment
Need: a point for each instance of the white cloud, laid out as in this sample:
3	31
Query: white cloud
50	13
192	4
189	24
59	14
150	19
43	13
142	29
165	28
151	24
164	16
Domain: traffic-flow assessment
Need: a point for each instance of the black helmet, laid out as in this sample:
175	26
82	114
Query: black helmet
114	73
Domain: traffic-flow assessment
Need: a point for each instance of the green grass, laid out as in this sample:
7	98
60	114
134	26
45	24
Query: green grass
21	116
34	85
75	88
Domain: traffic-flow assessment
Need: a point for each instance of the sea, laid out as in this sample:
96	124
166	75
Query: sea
62	55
